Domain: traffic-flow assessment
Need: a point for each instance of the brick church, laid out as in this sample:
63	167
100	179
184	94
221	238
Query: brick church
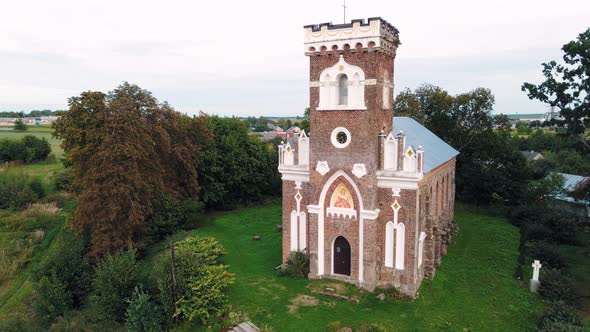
369	197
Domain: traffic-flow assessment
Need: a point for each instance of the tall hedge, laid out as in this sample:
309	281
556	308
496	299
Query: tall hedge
28	149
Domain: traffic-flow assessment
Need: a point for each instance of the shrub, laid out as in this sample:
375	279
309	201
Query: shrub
564	227
115	278
547	254
556	287
65	263
536	232
27	149
297	265
37	188
193	257
19	125
559	314
15	192
62	181
52	299
166	220
143	315
206	296
525	214
551	326
334	326
193	212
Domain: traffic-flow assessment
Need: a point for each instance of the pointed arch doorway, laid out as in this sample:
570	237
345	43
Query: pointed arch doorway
342	256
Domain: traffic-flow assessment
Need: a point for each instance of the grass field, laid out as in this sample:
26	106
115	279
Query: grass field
39	132
473	289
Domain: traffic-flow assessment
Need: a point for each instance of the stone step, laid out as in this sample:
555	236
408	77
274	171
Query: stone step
245	327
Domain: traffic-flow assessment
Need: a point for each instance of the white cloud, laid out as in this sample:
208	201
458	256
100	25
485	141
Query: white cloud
246	57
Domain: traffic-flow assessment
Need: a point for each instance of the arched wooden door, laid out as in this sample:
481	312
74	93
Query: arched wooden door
341	256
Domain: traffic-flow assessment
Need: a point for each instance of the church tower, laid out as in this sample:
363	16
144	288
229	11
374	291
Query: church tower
351	186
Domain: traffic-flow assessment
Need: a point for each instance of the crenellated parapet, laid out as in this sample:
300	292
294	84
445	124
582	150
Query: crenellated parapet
375	34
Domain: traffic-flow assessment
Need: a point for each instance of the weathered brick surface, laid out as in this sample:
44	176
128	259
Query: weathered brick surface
427	209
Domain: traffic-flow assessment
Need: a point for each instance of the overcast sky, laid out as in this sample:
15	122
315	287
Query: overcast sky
246	57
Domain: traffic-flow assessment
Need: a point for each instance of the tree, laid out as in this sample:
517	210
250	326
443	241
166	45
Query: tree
118	144
237	168
143	315
502	125
116	276
567	86
304	123
20	125
489	167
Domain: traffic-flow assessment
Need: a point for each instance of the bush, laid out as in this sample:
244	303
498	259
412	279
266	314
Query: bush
166	220
62	181
560	315
559	327
193	212
116	276
206	297
193	256
525	214
19	125
297	265
564	227
536	232
547	254
143	315
37	188
334	326
556	287
64	263
27	149
52	299
15	192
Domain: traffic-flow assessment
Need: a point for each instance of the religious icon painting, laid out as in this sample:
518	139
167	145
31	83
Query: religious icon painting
341	198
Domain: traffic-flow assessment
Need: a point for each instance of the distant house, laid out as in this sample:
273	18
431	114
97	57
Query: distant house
267	135
568	203
278	129
532	155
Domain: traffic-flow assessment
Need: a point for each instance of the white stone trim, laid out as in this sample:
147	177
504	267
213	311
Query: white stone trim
421	248
294	173
321	258
400	248
329	87
314	209
369	214
397	182
359	170
302	231
322	167
333	137
341	212
389	244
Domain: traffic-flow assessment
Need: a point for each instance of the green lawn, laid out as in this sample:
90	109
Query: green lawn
473	289
36	131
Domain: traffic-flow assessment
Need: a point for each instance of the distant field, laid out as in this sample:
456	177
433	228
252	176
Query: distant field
35	131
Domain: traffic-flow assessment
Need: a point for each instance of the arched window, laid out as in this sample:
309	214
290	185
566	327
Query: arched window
400	242
343	90
389	244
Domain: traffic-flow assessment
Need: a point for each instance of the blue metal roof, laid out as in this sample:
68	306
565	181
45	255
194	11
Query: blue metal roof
571	181
436	151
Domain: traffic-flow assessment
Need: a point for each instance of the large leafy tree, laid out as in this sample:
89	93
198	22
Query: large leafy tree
237	168
567	86
126	150
489	167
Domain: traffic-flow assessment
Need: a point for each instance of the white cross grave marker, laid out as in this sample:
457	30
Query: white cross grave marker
534	283
536	266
